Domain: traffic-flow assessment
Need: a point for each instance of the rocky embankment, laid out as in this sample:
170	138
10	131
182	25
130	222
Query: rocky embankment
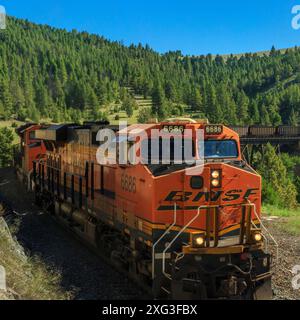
8	246
23	276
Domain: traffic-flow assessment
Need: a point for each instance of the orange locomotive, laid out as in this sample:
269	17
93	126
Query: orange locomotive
187	230
31	149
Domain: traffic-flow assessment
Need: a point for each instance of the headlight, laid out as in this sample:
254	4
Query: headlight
215	183
215	174
197	240
215	177
256	235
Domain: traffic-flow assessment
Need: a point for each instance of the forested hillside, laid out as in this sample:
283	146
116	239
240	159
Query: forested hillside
46	73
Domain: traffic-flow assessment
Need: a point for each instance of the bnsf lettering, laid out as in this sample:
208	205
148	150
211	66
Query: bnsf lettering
249	193
232	195
178	196
213	196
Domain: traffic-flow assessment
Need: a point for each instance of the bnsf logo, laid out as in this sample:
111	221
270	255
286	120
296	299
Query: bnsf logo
230	195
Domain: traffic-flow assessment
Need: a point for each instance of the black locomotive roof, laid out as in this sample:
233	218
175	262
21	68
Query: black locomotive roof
55	132
25	126
67	131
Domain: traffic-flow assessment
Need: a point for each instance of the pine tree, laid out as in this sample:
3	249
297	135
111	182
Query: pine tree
5	97
92	105
33	114
273	51
2	111
265	118
196	100
278	189
144	115
171	92
42	100
101	92
211	103
254	115
158	102
294	118
6	140
242	106
128	106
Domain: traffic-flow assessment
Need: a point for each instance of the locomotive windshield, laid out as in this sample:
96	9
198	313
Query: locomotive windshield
168	151
213	149
220	149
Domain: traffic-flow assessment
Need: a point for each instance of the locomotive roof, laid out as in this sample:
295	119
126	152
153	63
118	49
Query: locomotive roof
56	126
24	127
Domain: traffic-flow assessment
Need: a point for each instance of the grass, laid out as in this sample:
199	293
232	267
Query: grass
123	117
28	277
8	124
292	225
290	221
271	210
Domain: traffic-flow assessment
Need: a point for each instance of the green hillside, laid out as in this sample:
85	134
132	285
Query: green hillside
52	74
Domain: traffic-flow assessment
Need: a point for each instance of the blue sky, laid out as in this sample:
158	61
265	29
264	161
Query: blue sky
192	26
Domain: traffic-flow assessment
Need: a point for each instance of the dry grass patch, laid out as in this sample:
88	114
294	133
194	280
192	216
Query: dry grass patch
28	277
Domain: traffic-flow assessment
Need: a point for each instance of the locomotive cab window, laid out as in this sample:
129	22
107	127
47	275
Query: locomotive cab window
32	135
158	151
220	149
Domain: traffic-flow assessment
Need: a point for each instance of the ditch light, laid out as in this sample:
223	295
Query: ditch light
197	239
